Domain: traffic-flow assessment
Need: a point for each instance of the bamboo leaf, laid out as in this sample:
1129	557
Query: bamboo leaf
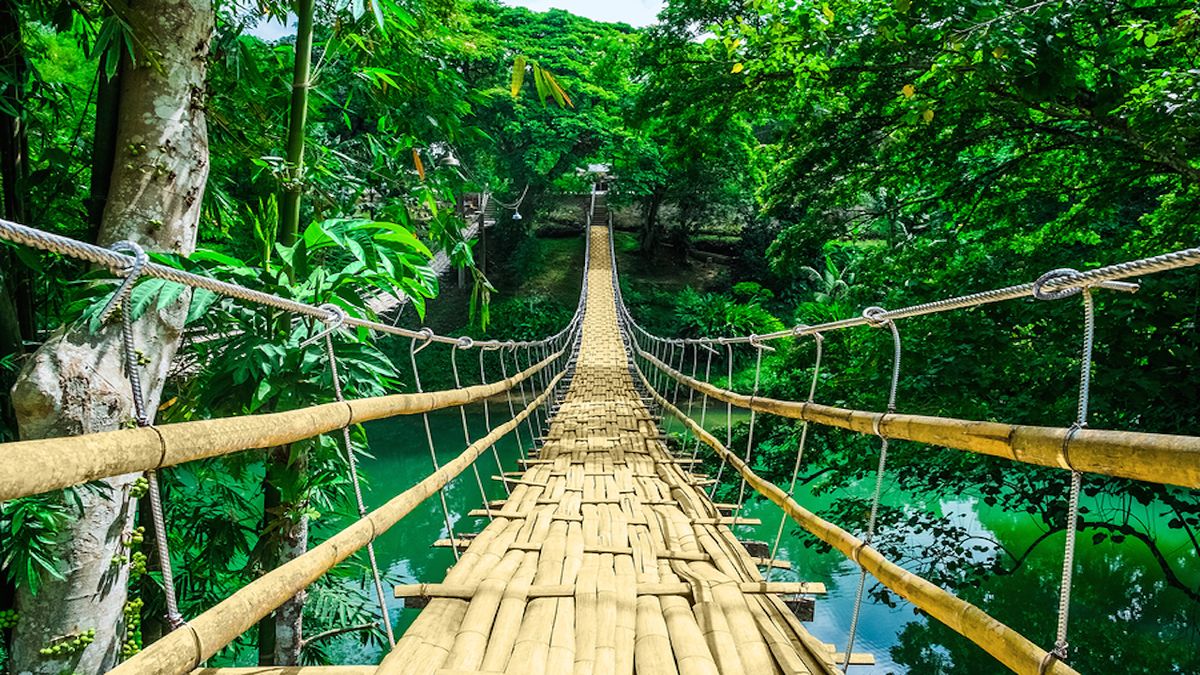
539	83
418	164
560	94
518	75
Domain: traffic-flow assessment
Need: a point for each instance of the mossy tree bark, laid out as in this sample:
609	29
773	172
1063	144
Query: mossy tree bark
75	383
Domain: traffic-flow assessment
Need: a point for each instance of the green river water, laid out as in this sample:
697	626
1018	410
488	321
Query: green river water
1125	618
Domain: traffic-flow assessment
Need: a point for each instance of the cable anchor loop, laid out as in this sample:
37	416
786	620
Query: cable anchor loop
333	320
131	275
875	316
1039	286
426	333
757	343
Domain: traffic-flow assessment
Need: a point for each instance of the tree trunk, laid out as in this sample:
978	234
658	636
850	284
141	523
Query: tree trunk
75	383
104	148
14	161
481	257
280	634
649	238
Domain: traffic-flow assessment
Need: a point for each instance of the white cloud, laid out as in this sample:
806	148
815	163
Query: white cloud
272	29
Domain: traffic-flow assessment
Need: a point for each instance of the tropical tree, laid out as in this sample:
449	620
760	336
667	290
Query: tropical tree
76	382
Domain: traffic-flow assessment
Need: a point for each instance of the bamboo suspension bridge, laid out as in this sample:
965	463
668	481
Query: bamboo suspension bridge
607	554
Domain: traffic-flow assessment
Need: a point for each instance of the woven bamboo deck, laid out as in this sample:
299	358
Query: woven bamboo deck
608	557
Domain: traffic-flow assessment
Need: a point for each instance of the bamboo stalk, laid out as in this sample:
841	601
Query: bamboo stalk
468	591
289	670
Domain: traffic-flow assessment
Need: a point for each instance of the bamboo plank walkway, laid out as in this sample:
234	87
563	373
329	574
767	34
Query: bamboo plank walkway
608	557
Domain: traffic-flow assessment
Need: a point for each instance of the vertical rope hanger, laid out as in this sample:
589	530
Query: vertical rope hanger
728	417
525	398
691	394
695	366
812	391
704	401
669	353
872	315
760	347
653	379
679	368
512	411
143	419
534	383
533	386
466	343
655	349
1060	651
337	316
544	375
487	420
413	348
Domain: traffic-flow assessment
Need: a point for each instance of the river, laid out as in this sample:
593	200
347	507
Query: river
1125	618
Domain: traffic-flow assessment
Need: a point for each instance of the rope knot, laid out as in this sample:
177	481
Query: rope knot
132	271
757	343
465	342
875	316
427	333
1058	653
335	317
1039	286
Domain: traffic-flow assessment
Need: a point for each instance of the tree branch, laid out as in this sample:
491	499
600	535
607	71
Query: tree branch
335	632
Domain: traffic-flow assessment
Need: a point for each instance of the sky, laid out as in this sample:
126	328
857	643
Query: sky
636	13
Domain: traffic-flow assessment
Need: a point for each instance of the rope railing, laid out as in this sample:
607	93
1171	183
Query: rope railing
1053	285
202	637
1159	458
121	264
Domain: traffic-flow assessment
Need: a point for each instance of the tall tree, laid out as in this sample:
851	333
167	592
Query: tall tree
14	153
76	381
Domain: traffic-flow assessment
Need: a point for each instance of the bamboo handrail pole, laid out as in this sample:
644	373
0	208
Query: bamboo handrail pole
1157	458
32	467
183	650
1005	644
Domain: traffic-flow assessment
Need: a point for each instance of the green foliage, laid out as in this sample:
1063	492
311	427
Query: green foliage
913	151
715	315
583	66
531	317
32	526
